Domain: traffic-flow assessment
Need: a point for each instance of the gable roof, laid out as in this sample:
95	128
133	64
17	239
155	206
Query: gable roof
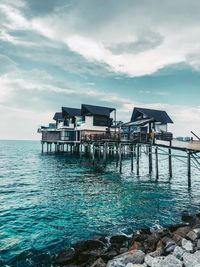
58	116
157	115
71	112
95	110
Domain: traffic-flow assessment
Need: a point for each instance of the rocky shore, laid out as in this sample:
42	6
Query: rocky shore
174	246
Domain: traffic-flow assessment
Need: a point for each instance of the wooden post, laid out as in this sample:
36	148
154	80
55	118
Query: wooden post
138	159
117	156
42	147
50	147
93	151
150	159
157	172
189	168
120	158
47	147
104	152
170	160
131	158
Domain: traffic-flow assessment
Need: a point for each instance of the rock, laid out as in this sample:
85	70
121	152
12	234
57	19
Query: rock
187	217
197	231
65	257
177	239
135	257
192	235
169	246
198	244
182	231
99	263
156	253
197	255
189	260
154	262
187	245
109	254
118	239
178	252
174	227
88	245
136	246
136	265
171	261
123	250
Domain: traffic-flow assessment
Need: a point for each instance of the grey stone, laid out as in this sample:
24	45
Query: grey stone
197	231
192	235
178	252
171	261
135	257
136	265
187	245
99	263
156	253
198	244
123	250
170	246
197	255
189	260
153	262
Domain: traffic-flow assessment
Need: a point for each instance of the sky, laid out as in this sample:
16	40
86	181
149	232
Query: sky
122	54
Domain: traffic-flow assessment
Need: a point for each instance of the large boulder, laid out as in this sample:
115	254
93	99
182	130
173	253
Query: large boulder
88	245
135	257
65	257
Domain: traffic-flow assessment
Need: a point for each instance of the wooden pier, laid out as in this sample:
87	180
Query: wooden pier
119	148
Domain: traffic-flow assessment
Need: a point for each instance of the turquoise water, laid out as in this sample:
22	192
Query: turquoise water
48	202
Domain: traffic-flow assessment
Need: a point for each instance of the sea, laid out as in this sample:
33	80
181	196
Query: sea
50	201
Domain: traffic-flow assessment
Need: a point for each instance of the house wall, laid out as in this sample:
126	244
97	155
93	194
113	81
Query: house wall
161	128
88	125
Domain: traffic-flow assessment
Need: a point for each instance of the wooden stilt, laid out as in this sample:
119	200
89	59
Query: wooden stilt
120	157
131	158
150	159
157	171
189	168
138	159
42	147
170	161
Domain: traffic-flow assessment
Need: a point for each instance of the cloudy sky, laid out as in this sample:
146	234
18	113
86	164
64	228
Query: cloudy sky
105	52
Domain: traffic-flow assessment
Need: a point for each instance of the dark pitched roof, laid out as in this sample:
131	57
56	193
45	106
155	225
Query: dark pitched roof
71	112
157	115
95	110
58	116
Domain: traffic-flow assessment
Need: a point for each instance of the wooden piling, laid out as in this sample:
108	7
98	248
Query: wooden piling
42	147
138	159
150	159
170	160
189	167
120	157
131	158
157	171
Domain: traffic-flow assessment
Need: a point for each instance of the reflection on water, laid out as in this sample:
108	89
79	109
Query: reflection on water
48	202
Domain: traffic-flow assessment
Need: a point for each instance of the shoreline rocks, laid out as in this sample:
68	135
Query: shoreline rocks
174	246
